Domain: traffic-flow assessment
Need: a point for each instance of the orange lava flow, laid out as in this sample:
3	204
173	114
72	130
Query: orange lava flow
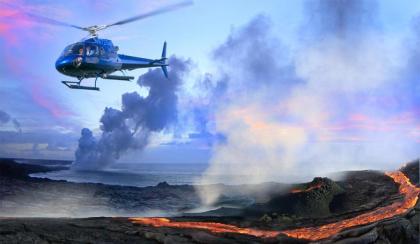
210	226
408	190
308	189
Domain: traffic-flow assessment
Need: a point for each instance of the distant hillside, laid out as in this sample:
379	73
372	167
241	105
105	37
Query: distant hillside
10	168
46	162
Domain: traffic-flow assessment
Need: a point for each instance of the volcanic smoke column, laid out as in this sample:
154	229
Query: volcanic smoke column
131	126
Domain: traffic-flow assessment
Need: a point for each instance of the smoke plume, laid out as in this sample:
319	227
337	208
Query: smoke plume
330	105
6	118
131	126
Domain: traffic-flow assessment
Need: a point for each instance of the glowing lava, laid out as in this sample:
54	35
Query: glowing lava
408	190
210	226
307	189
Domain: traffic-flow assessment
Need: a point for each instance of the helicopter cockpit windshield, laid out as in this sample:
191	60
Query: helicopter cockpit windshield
74	49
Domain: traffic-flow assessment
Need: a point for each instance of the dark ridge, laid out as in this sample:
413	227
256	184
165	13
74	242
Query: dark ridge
163	184
312	199
10	168
411	170
363	189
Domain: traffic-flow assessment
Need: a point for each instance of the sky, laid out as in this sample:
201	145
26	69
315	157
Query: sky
269	85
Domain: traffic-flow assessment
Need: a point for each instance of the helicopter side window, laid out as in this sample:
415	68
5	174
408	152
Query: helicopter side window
102	52
77	49
110	51
92	50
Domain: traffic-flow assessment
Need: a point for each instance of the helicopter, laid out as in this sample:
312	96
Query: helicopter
94	57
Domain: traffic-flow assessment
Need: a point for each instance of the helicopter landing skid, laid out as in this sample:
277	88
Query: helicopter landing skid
76	85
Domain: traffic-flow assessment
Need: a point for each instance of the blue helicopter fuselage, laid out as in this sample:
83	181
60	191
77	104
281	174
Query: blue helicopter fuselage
95	57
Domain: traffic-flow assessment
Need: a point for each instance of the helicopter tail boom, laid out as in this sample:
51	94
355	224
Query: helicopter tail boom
130	62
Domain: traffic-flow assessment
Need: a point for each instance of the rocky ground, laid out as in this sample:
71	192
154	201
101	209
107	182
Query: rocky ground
290	206
21	195
24	196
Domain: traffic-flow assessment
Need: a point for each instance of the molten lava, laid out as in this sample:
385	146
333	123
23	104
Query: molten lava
408	190
210	226
307	189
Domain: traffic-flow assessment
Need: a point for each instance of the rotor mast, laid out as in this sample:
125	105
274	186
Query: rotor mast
93	30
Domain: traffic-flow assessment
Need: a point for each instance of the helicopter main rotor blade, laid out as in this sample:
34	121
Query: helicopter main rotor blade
93	30
39	18
46	20
152	13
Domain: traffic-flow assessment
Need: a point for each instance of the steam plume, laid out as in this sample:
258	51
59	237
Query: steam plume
321	109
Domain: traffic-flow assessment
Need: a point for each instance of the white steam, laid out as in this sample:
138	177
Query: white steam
336	118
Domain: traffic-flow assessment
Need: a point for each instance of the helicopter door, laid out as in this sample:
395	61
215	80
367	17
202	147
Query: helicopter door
102	53
91	50
92	53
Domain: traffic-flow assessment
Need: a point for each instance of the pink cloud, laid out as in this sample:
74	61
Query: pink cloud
359	117
46	102
358	127
341	138
16	29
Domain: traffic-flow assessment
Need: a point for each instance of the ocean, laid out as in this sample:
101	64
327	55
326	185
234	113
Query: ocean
140	175
151	174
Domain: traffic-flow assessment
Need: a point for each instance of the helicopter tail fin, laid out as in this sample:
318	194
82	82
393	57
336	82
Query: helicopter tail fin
164	51
164	69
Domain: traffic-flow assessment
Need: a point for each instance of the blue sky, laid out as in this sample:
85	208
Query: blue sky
51	116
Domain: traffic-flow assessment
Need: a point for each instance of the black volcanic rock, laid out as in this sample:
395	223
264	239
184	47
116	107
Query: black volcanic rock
9	168
411	170
363	190
94	230
357	193
310	200
162	184
22	195
397	230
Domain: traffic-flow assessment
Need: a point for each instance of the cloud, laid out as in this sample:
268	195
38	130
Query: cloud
131	127
6	118
51	143
410	84
339	18
17	125
17	27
